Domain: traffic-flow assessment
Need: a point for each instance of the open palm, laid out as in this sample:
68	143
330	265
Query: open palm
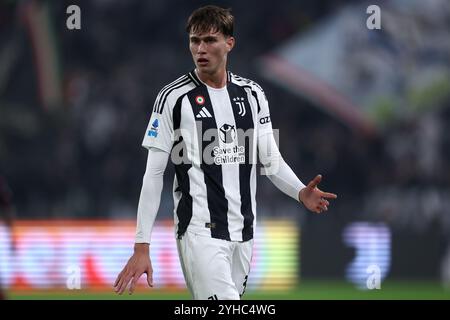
315	199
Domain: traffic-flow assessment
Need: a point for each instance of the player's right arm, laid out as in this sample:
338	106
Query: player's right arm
149	201
158	139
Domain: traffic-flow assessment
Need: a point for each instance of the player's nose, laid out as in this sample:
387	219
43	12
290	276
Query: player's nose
202	47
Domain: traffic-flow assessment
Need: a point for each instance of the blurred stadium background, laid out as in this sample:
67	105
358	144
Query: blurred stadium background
368	109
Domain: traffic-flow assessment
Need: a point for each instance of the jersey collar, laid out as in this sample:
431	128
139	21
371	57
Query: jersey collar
198	82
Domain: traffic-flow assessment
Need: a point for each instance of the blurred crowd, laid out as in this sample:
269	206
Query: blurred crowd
83	157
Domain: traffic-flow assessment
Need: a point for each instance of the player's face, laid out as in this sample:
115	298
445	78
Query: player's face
210	50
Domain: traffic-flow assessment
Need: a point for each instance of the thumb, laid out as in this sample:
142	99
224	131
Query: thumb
315	181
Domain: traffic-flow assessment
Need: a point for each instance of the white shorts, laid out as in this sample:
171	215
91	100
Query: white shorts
214	269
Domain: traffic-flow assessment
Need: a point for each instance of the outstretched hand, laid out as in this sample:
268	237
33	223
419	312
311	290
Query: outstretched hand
138	264
315	199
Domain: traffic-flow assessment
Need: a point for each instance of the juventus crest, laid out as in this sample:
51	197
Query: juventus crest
240	103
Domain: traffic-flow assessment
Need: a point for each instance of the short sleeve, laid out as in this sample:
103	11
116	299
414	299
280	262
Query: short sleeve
159	133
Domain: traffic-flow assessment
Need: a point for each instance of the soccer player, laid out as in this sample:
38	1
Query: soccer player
213	124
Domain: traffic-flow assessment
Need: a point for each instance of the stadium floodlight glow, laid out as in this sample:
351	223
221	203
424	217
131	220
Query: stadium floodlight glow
88	255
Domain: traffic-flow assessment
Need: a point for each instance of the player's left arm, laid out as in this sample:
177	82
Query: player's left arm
279	172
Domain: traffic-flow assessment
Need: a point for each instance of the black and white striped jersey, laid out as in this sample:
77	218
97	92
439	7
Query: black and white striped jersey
211	135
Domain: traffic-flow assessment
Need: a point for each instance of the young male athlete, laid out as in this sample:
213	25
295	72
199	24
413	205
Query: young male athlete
213	124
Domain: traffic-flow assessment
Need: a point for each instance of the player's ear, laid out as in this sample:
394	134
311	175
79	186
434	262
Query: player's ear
230	43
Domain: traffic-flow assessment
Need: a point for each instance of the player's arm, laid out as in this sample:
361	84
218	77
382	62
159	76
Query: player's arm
158	139
148	206
278	171
282	176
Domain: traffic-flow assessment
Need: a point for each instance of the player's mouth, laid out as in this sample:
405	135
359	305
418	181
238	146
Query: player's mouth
202	61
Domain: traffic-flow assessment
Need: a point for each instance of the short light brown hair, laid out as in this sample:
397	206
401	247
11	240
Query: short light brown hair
211	18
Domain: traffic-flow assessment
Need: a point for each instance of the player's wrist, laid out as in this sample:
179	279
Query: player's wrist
301	194
141	248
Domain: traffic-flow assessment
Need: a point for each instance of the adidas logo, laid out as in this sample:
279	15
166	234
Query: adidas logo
204	113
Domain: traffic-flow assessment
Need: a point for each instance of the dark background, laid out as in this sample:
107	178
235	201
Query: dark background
79	155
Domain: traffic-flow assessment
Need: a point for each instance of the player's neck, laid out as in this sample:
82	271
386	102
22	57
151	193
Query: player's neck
216	80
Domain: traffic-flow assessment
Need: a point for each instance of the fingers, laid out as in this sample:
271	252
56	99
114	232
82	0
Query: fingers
136	277
132	274
118	279
318	210
314	182
117	285
321	208
123	282
134	282
328	195
123	279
